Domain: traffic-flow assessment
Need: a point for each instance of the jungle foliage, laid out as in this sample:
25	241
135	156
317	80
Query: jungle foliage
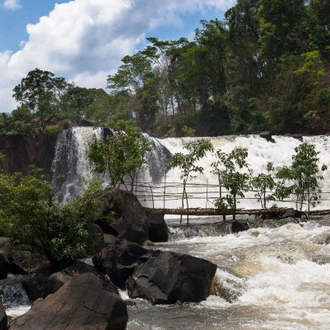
264	67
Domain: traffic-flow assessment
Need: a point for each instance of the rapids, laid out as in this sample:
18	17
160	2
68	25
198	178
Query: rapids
267	278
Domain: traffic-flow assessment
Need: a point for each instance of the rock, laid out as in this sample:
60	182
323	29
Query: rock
267	135
158	230
58	279
290	213
87	122
118	260
123	216
82	303
237	226
35	287
3	318
25	262
167	277
4	265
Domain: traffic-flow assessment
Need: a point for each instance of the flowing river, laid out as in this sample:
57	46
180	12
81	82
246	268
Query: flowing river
268	277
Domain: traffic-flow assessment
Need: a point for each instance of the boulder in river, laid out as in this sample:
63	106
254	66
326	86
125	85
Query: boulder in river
82	303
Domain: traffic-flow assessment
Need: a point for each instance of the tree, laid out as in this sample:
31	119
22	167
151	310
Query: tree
228	169
187	163
30	215
41	92
76	100
121	156
302	178
264	184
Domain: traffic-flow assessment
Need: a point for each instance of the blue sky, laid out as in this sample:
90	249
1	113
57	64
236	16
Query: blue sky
84	40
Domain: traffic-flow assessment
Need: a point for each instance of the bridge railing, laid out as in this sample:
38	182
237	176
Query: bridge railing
203	195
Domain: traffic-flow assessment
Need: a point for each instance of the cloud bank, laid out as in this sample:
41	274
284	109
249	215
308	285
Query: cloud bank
84	40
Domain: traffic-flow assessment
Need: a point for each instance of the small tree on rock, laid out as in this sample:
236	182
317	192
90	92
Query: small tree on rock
122	155
187	163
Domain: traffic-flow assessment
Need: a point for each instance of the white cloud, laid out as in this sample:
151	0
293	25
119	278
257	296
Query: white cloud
12	4
84	40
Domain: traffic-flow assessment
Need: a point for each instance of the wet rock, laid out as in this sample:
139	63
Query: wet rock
123	216
118	260
35	287
267	135
4	265
25	262
167	277
3	318
158	230
238	226
82	303
58	279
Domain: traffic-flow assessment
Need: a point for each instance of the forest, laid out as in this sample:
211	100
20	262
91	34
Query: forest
264	67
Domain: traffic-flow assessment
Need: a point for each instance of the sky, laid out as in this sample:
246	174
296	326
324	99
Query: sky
85	40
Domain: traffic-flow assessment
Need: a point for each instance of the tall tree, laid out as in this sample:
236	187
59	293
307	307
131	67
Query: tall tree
41	92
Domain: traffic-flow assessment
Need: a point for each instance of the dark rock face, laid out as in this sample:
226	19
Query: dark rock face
4	266
80	304
130	219
237	226
160	277
3	318
158	230
22	152
267	135
24	262
118	260
168	277
57	280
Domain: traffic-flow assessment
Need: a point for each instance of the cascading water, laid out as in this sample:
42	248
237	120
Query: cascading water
272	277
70	166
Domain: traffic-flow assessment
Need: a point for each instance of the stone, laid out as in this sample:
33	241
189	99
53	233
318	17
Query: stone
82	303
58	279
158	230
4	265
3	318
123	216
118	260
168	277
25	262
239	225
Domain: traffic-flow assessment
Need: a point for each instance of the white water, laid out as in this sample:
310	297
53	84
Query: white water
267	279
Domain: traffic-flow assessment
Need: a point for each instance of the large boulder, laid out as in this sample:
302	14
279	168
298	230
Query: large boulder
25	262
82	303
58	279
123	216
119	259
4	265
158	230
3	318
168	277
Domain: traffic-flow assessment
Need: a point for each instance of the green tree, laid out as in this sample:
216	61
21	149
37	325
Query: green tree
41	92
187	163
229	169
30	215
121	156
76	100
264	184
302	178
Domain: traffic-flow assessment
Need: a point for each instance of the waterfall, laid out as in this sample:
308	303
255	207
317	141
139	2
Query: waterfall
73	143
70	166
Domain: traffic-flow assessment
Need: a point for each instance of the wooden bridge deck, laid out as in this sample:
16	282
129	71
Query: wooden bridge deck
210	211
